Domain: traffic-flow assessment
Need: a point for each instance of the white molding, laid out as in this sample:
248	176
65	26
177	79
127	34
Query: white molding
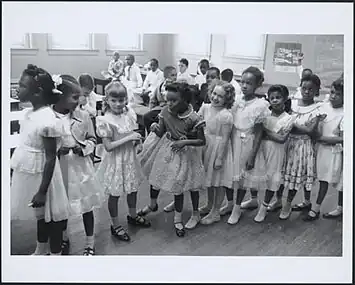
24	51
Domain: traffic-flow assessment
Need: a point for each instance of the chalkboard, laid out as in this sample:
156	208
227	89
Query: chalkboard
329	52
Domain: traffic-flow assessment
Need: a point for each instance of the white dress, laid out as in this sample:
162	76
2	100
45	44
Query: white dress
28	163
120	171
271	153
84	191
215	121
246	114
330	157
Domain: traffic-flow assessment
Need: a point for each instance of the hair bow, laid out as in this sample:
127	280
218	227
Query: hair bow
57	81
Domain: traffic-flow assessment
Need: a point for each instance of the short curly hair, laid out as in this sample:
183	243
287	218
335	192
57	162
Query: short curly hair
229	90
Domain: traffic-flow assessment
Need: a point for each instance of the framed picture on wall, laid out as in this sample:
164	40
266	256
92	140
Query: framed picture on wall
287	57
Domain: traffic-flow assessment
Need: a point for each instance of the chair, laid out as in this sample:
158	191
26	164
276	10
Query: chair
100	83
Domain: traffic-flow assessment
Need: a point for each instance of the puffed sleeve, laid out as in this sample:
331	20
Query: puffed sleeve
51	127
196	122
226	118
103	128
261	111
132	119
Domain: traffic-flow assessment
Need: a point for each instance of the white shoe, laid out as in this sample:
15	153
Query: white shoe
250	204
235	216
204	210
260	217
226	209
276	205
170	207
210	219
286	211
193	221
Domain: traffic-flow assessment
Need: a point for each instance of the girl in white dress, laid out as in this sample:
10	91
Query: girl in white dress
217	154
330	150
37	178
119	171
78	143
300	159
277	127
249	112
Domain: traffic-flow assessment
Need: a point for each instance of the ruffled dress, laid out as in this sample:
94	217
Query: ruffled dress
216	120
84	191
330	157
28	163
271	154
300	159
120	171
246	114
178	172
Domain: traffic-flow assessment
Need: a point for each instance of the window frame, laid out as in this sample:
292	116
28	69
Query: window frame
110	47
262	42
206	54
27	43
89	48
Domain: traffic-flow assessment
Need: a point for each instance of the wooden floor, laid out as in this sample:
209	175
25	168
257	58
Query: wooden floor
271	238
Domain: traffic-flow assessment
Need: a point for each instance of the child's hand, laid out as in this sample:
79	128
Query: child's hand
135	137
63	151
38	200
178	146
250	163
78	150
154	128
139	148
217	164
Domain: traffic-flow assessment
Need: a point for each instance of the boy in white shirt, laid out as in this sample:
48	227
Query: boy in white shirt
154	77
88	100
228	76
202	68
115	66
132	80
183	72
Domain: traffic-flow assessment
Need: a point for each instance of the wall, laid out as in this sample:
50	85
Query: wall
77	62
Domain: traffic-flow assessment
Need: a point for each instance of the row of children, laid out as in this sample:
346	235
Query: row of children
267	147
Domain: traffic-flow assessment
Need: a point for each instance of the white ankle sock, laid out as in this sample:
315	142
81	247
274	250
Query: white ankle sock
178	217
132	212
316	208
115	222
42	248
90	241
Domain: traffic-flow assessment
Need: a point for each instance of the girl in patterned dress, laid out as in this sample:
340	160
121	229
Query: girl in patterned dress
329	149
78	143
217	154
249	112
277	127
300	158
119	171
177	167
37	178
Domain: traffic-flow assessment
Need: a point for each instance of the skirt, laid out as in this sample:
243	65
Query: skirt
179	172
25	185
242	145
120	171
329	164
271	154
151	147
223	176
84	191
300	163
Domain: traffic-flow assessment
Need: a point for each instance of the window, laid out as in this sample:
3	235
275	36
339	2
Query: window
124	41
70	41
20	41
194	44
251	44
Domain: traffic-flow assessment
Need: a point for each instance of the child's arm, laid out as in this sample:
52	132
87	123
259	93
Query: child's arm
153	102
110	145
331	140
226	131
159	129
90	139
279	138
50	147
258	131
199	141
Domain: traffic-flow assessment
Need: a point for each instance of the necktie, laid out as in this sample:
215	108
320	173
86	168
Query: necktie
129	73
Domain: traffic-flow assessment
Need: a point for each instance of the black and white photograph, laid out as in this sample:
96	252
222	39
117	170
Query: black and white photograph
155	148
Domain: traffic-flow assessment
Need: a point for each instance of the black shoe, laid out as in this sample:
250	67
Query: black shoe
138	221
89	251
310	218
179	232
302	207
65	247
120	233
146	210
